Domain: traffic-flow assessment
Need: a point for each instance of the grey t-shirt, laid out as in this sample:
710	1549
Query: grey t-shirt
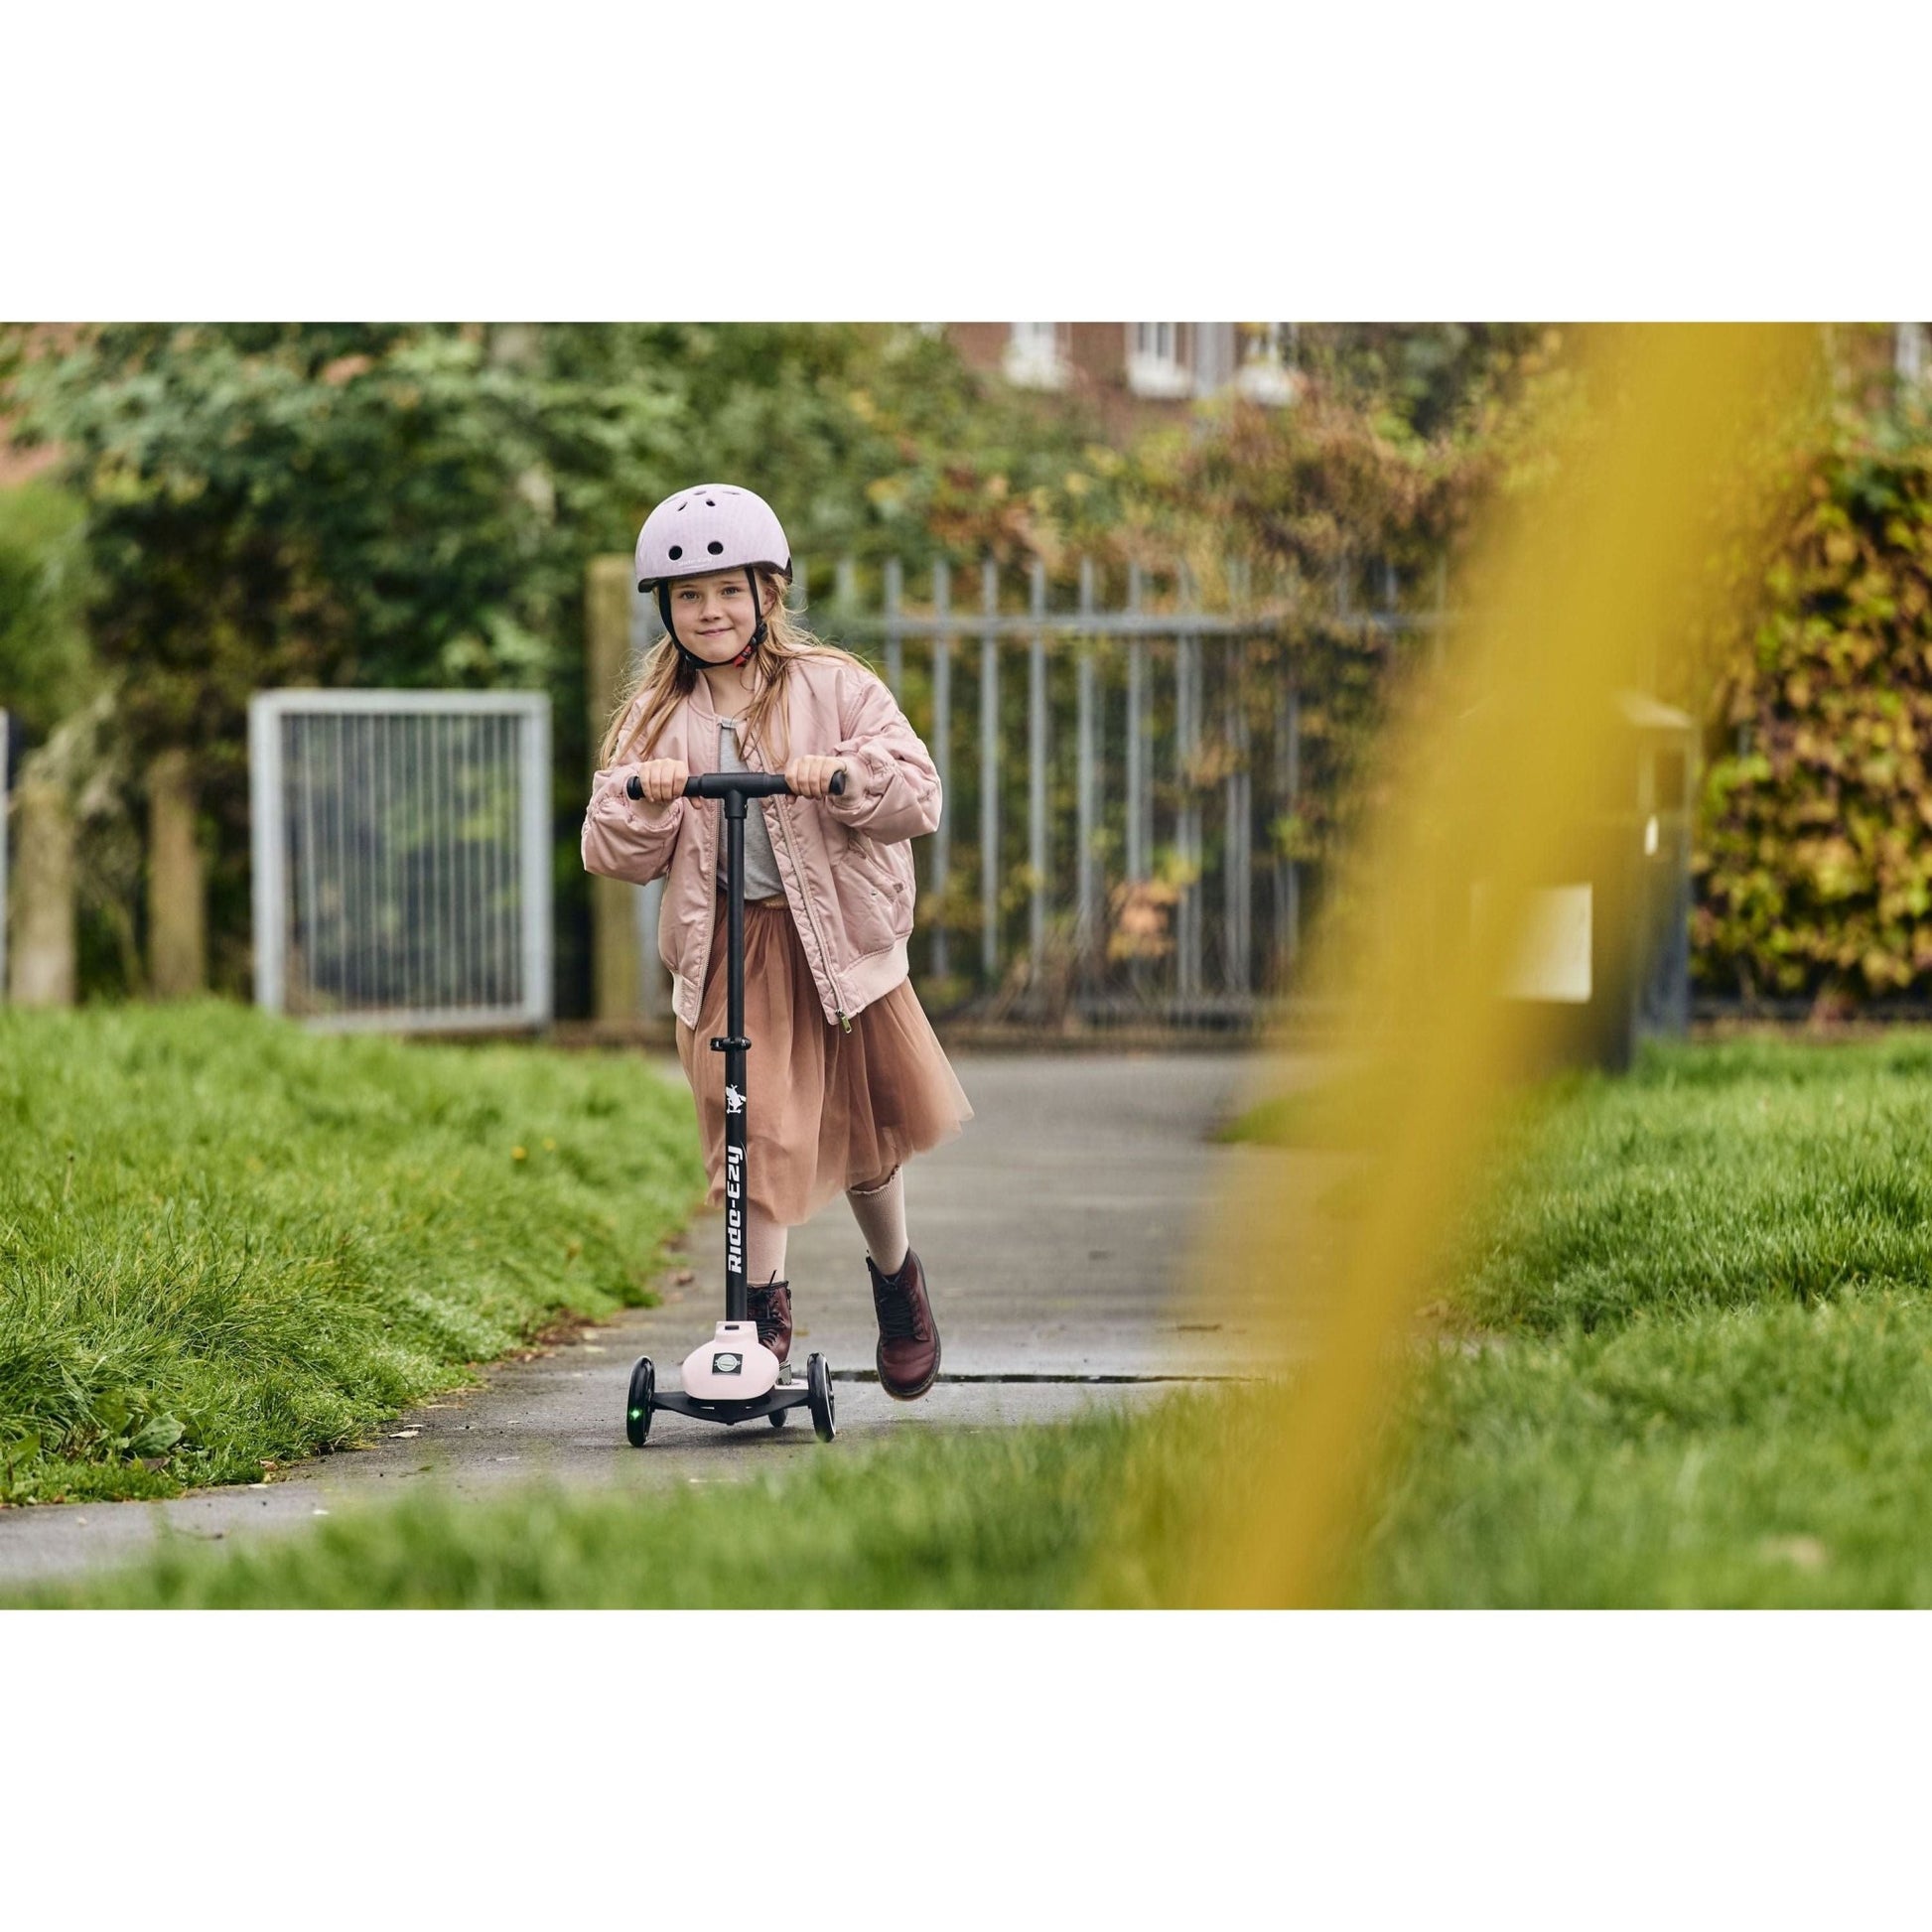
761	879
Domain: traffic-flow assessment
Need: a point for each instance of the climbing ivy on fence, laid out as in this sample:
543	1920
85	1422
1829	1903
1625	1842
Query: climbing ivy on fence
1345	513
1814	854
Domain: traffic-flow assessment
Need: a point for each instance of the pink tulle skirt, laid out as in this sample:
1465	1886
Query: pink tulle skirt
826	1109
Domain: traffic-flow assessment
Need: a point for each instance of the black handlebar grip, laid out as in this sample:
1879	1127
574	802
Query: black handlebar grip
747	784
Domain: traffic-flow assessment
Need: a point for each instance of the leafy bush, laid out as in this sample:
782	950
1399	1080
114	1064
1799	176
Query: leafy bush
1814	862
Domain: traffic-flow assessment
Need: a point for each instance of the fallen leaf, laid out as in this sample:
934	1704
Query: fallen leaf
1800	1552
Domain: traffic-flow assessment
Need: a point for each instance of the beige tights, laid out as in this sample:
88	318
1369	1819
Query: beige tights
879	1207
765	1247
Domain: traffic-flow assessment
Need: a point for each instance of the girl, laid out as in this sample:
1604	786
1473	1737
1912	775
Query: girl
851	1081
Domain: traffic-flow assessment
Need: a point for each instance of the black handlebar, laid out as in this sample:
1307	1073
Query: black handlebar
747	784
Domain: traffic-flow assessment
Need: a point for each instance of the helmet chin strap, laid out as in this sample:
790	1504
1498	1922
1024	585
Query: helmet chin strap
697	663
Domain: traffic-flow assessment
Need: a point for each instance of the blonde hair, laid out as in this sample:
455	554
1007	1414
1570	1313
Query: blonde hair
664	680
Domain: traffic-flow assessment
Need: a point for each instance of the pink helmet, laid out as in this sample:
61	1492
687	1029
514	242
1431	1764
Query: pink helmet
710	526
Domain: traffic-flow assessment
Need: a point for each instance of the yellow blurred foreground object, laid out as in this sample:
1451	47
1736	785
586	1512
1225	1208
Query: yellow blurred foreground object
1502	781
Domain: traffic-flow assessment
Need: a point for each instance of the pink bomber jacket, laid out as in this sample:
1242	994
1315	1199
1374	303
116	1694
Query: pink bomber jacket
845	861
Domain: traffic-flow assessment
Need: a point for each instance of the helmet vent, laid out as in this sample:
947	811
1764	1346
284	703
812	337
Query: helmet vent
716	548
677	550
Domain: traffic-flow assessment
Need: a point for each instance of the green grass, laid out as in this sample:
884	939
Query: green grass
1092	1513
1744	1175
1777	1454
1687	1360
1695	1320
227	1243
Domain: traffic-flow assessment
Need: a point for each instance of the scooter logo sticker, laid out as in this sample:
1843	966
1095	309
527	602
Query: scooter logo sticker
734	1101
726	1364
733	1213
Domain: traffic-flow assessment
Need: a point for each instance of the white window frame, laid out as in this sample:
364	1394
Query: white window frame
1035	357
1264	375
1153	364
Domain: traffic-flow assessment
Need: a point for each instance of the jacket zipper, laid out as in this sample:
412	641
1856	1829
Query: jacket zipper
711	940
708	821
824	957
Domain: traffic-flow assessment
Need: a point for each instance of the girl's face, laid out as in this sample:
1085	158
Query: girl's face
715	616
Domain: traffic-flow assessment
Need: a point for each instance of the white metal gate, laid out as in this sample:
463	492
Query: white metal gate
401	857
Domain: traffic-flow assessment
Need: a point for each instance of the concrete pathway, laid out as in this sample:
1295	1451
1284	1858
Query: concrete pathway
1070	1238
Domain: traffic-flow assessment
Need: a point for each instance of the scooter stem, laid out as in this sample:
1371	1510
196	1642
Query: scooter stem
732	788
733	1046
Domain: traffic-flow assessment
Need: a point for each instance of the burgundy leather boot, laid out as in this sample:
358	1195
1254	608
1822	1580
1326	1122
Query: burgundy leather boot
771	1308
909	1337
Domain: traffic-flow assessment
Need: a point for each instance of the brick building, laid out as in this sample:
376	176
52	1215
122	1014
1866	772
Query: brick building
1137	374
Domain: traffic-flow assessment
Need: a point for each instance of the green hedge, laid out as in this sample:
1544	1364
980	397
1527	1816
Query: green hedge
1814	857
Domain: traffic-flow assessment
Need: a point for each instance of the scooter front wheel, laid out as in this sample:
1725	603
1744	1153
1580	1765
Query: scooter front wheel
818	1391
644	1389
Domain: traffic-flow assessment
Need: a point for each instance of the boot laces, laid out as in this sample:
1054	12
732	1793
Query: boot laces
899	1313
765	1312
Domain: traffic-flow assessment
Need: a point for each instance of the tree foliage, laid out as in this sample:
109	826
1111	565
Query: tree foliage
413	505
47	665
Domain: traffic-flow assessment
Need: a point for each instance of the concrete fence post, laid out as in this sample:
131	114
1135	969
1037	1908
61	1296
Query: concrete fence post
616	978
42	957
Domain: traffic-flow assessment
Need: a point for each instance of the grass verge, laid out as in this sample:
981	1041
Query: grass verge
1088	1513
1694	1322
1732	1458
1687	1360
226	1243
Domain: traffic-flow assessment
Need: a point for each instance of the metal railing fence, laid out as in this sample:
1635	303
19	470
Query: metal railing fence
1116	760
402	861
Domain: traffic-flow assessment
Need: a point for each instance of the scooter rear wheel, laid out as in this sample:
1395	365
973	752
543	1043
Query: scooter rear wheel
818	1389
643	1388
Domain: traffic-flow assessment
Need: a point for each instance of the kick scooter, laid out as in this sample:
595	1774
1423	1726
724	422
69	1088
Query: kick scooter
734	1377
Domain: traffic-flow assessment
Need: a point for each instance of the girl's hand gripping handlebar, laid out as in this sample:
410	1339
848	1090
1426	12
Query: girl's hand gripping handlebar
747	784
